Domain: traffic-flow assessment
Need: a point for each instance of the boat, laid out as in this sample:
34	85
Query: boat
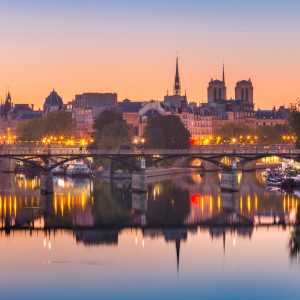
59	171
274	180
78	170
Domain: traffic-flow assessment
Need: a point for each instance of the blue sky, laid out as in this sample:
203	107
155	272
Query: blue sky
128	41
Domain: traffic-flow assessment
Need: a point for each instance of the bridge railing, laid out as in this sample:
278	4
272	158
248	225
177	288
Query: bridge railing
206	151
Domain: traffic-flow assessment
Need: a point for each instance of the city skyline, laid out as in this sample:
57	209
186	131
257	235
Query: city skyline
130	49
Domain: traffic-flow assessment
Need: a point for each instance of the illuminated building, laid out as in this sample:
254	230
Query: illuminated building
198	122
12	114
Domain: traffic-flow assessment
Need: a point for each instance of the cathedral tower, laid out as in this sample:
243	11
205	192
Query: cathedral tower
244	91
217	89
177	86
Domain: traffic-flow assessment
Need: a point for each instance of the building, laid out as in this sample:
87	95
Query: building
24	112
176	102
103	100
53	103
87	107
199	123
130	111
217	89
239	110
150	110
271	117
6	106
11	115
244	91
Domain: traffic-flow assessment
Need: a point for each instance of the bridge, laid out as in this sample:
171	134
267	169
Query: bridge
46	159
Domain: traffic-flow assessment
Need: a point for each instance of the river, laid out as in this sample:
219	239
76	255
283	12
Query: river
183	239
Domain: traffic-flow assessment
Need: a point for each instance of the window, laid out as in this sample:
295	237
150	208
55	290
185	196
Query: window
215	94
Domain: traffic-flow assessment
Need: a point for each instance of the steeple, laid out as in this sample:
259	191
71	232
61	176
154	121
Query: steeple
6	106
223	74
177	87
177	244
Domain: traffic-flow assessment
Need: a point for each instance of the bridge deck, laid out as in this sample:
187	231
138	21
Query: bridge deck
201	151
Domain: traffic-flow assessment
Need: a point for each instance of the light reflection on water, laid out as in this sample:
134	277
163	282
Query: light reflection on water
181	239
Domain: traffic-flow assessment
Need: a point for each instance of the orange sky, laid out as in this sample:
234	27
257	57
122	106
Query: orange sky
132	50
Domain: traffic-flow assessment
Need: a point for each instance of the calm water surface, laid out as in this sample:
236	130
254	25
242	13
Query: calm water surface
184	239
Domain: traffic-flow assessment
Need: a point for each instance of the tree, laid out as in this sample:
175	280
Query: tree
265	134
111	131
294	121
272	134
113	136
54	123
107	117
31	130
166	132
231	130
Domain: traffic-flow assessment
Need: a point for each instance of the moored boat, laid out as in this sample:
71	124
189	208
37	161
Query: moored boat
78	170
274	180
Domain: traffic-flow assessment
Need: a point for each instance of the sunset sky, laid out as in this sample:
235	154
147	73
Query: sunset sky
129	47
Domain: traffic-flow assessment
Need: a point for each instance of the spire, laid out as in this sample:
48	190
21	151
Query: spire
223	74
177	244
177	87
224	241
8	98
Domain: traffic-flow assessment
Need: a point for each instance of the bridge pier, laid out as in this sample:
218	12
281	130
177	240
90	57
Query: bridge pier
138	183
139	204
229	179
46	185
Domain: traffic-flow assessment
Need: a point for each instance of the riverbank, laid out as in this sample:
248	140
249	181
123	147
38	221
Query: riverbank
150	172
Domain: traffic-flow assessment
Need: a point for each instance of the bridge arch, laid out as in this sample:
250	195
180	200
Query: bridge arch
213	156
31	161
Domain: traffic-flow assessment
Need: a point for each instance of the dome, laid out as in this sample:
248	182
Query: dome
53	102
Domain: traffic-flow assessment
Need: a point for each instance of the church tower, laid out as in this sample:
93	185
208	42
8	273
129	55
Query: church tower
244	91
177	86
176	101
217	89
7	106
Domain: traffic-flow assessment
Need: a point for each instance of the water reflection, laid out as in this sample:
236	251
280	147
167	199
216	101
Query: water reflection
97	211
